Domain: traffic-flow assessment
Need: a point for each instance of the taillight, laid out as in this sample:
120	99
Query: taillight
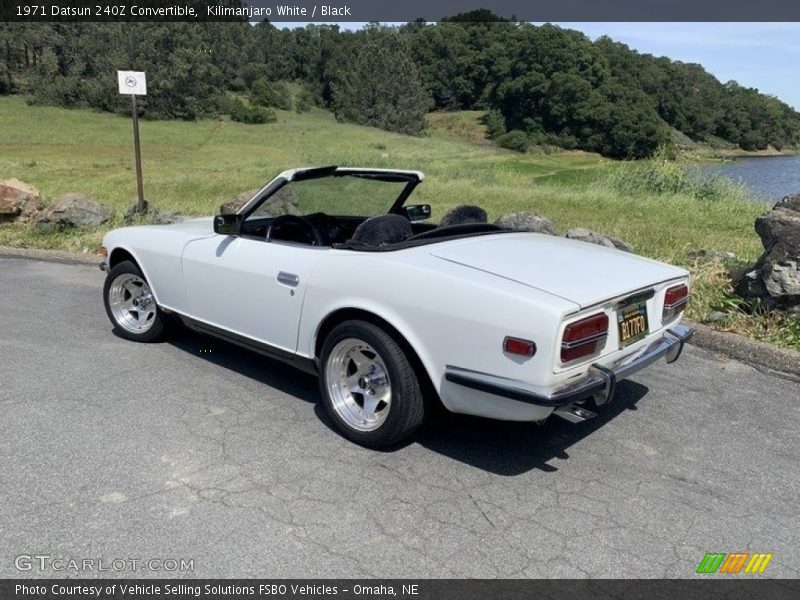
584	337
675	300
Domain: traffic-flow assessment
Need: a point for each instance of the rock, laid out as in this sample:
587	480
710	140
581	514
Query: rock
19	201
73	210
774	279
592	237
526	221
791	202
133	210
277	206
230	206
716	316
165	217
282	202
151	215
711	255
781	224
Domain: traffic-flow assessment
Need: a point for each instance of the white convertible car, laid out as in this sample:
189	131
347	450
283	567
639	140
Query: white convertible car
330	270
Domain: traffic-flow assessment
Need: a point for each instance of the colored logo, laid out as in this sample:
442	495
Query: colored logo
735	562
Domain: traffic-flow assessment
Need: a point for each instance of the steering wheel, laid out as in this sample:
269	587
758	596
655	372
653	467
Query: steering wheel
294	220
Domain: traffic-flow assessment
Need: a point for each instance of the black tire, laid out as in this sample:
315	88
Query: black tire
406	410
156	326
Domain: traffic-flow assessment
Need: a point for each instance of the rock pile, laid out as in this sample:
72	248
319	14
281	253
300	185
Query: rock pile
775	277
526	221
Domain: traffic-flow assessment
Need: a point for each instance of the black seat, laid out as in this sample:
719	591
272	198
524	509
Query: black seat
464	213
383	229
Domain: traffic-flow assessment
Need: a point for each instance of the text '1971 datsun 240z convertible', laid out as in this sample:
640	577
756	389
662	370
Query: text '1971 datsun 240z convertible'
330	270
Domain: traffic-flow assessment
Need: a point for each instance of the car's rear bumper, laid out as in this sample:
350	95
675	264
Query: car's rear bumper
599	382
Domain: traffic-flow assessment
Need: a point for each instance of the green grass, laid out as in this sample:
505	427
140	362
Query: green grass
191	167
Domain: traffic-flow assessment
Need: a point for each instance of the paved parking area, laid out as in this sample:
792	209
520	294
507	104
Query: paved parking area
195	449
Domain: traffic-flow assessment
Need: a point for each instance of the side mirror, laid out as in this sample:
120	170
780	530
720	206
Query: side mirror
418	212
227	224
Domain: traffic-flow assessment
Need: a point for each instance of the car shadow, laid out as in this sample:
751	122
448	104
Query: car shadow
511	448
502	447
261	368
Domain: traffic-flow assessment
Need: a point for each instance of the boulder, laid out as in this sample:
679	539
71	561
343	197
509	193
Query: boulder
19	201
526	221
775	277
230	206
151	215
165	217
73	210
282	202
592	237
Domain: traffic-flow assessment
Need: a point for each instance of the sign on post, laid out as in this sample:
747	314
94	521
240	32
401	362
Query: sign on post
134	83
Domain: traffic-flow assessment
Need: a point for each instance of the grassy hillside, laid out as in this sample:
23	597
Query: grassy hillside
192	166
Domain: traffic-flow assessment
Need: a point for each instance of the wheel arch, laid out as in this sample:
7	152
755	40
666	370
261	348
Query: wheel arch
120	254
341	315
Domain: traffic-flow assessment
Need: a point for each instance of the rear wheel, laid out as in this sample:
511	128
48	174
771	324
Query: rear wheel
130	304
369	388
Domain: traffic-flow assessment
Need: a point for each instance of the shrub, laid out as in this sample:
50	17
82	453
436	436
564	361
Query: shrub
281	96
514	140
495	124
252	114
265	93
304	101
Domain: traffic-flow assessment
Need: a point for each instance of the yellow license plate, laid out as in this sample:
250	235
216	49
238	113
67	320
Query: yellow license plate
632	321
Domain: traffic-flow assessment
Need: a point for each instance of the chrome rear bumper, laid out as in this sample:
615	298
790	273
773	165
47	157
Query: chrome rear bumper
600	381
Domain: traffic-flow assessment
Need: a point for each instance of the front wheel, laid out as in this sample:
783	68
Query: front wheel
368	386
130	304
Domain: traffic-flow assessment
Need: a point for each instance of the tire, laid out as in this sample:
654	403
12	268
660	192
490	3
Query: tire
369	388
131	306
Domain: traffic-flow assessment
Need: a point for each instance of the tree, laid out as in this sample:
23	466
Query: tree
380	86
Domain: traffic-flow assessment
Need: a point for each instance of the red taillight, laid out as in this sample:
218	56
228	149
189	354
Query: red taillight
675	300
519	346
676	296
583	337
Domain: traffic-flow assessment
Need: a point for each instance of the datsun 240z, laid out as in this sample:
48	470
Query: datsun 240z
331	270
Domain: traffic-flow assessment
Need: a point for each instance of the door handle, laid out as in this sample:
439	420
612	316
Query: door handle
288	278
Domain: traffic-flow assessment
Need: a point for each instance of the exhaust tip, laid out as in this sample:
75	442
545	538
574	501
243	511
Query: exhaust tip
574	414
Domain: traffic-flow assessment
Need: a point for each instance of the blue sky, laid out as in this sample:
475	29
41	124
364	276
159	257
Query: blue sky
761	55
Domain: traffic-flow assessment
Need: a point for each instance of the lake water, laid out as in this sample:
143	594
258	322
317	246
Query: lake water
769	177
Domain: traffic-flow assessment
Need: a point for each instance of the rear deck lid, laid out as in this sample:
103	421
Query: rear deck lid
583	273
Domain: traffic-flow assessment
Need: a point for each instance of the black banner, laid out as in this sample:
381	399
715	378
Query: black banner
707	588
393	11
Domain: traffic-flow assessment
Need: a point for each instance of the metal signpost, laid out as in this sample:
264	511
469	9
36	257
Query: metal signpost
134	83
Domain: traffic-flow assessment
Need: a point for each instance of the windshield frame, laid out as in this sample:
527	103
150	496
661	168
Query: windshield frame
411	178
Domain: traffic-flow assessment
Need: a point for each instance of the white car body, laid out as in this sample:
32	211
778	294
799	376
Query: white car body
453	301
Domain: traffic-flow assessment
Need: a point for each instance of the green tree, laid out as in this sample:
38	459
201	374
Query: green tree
380	86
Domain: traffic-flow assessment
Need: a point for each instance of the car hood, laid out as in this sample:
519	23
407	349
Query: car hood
583	273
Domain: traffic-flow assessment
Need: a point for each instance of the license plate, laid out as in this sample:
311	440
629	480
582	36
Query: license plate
632	321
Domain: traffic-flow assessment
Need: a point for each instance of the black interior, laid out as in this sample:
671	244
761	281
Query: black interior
333	230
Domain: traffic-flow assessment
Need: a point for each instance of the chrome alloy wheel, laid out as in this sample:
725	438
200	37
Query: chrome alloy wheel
358	384
132	303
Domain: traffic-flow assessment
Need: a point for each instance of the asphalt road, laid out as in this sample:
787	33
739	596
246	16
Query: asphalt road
195	449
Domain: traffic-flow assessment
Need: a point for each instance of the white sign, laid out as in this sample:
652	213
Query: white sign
132	82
